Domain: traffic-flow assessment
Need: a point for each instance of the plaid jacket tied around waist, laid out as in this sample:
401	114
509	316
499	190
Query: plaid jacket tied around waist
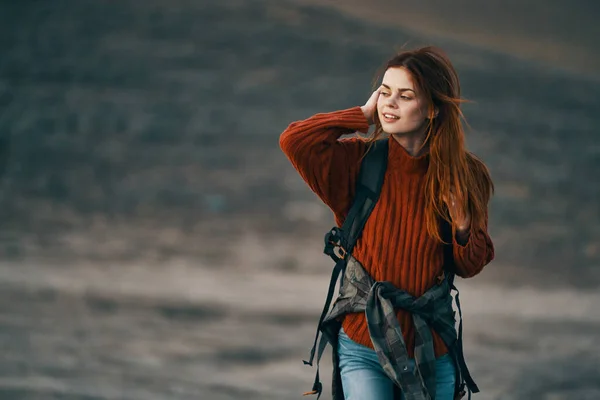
379	301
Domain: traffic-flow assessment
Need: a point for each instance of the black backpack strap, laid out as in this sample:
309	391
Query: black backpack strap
368	188
370	180
463	374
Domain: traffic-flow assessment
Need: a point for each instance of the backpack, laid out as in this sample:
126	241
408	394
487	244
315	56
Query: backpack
340	242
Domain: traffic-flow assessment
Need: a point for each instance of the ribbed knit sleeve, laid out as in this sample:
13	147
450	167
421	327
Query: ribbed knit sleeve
328	165
471	257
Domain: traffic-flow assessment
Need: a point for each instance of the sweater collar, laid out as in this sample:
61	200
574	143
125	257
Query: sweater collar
399	159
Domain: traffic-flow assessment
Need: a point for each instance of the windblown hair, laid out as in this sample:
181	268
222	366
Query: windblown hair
452	169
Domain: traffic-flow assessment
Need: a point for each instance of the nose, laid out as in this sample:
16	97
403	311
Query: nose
390	102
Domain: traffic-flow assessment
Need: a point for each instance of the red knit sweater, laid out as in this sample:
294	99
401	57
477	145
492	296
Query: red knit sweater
394	246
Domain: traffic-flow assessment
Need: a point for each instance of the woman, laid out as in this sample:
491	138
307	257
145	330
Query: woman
430	177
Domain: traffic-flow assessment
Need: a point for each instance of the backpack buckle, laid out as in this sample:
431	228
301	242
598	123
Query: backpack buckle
341	252
333	245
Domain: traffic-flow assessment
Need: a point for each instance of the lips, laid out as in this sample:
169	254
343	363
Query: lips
389	117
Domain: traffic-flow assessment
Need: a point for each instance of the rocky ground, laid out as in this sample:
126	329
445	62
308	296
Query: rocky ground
142	332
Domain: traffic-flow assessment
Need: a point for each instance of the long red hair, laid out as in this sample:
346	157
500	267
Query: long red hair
452	169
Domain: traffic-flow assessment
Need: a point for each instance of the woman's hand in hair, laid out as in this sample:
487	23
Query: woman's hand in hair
460	216
370	107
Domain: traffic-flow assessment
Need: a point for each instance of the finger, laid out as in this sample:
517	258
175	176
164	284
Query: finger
372	100
375	94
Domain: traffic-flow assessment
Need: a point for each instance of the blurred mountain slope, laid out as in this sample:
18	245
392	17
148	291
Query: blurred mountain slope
561	34
152	128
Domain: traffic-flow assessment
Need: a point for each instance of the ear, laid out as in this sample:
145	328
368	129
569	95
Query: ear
436	111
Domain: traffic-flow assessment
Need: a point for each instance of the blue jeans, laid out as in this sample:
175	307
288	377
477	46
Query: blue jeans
363	377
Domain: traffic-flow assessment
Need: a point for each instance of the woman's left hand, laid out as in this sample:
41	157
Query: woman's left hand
460	216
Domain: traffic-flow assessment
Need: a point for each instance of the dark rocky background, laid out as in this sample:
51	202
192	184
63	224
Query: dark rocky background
142	181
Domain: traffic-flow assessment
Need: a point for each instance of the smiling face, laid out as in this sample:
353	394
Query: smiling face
402	110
